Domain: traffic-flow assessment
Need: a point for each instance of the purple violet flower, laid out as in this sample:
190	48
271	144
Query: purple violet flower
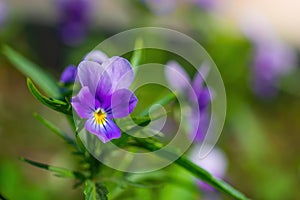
180	81
68	75
104	96
75	17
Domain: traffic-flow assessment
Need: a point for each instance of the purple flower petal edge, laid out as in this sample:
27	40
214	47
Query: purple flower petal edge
96	56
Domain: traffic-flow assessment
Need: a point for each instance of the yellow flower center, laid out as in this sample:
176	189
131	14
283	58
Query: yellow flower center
100	116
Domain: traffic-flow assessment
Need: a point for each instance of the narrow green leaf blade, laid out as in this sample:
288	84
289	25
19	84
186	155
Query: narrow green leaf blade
43	79
142	121
94	191
55	130
137	54
54	104
58	171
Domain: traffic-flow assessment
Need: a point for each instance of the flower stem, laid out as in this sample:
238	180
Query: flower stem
164	101
208	178
194	169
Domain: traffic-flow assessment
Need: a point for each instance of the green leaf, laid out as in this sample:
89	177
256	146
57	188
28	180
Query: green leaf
137	54
55	130
54	104
94	191
58	171
43	79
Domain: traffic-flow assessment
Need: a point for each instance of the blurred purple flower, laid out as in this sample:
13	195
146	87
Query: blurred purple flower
272	57
271	62
68	75
104	96
75	17
3	12
180	81
206	4
215	163
161	7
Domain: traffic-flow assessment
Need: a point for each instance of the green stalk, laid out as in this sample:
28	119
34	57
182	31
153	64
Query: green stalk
195	170
164	101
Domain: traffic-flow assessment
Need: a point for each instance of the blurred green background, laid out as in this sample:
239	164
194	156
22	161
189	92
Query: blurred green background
261	135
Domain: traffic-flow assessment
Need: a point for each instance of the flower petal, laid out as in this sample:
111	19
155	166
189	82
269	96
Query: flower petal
68	75
177	77
200	126
105	132
204	98
119	71
90	73
123	102
200	77
96	56
103	90
83	103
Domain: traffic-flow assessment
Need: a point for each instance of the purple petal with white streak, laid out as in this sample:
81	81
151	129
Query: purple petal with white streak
103	90
106	132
